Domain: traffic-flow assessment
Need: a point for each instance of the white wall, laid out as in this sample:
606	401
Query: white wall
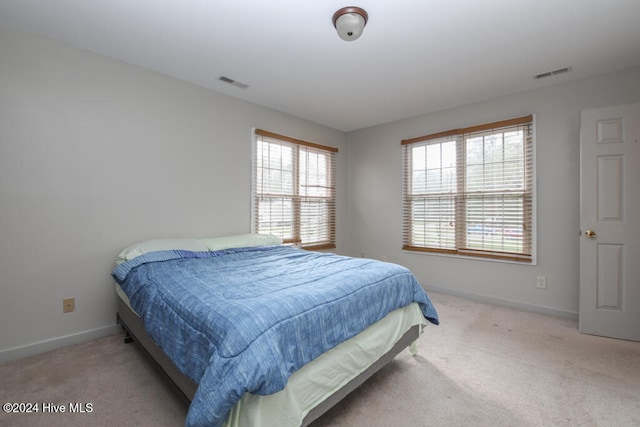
95	155
375	193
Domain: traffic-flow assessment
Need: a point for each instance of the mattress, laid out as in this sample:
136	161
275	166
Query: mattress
316	381
240	320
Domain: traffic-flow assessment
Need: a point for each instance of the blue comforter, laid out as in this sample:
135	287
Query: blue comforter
243	320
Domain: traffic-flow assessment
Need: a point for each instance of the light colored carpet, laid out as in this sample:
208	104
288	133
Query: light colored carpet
483	366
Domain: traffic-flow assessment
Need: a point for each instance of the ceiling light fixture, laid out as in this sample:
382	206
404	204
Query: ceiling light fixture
349	22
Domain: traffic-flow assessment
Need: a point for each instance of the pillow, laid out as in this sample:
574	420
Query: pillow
141	248
241	241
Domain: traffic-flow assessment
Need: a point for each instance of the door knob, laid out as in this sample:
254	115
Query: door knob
590	234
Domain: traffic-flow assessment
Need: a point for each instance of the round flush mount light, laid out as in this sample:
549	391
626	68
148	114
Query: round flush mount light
349	22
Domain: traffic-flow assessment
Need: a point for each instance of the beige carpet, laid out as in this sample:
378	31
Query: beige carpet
484	366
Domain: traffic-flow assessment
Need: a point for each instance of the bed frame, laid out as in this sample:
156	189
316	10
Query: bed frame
134	328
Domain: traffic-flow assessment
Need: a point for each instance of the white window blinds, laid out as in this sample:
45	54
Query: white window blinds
470	191
294	185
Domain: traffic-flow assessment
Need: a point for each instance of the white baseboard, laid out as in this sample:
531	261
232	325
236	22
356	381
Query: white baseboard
39	347
506	303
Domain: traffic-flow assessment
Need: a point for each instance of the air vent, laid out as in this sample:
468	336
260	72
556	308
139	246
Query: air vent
233	82
552	73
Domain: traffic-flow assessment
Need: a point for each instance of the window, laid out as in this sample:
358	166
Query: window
294	190
470	191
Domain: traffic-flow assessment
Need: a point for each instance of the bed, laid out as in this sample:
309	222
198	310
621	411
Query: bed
258	333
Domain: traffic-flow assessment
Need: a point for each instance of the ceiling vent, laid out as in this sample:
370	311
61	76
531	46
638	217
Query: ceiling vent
552	73
233	82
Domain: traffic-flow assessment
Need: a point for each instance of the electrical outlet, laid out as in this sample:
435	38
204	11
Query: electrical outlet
68	305
541	282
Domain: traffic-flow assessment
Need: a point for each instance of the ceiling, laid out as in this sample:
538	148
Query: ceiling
414	57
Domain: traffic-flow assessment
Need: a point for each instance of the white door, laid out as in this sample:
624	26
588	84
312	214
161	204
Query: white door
610	222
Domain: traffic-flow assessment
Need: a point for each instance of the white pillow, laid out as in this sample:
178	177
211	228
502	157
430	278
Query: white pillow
241	241
141	248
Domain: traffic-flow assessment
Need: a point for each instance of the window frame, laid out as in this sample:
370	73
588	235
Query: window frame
298	197
459	247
